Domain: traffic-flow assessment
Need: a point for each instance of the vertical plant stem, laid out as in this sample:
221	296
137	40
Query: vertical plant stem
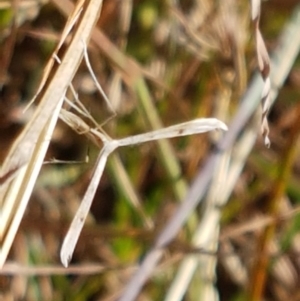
259	271
165	149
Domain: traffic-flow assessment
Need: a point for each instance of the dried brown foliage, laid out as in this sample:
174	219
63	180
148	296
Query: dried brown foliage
192	217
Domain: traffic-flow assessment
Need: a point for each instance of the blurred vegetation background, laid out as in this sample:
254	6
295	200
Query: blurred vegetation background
197	58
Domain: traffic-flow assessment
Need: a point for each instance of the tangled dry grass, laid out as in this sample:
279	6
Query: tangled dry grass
203	217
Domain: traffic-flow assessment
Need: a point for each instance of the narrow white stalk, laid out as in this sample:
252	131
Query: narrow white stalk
101	91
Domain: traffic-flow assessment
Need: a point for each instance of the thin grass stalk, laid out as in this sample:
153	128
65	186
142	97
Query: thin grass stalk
240	154
214	202
125	12
260	266
202	238
11	269
166	151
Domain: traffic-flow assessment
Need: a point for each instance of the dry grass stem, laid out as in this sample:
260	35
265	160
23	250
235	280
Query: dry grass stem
28	151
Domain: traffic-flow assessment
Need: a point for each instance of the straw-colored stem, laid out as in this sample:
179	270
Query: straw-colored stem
259	272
